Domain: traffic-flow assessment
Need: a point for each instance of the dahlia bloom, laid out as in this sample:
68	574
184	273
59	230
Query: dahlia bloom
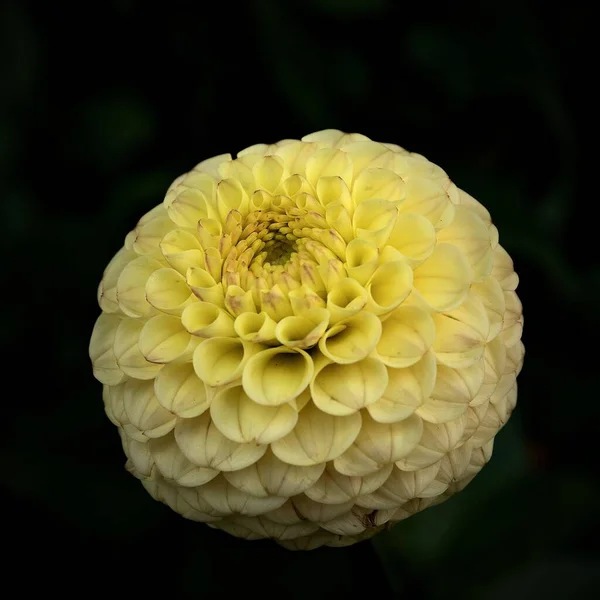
309	342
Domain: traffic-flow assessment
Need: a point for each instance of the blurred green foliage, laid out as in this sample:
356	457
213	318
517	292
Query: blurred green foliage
103	106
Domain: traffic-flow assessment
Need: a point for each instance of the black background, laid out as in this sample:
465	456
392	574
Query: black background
104	104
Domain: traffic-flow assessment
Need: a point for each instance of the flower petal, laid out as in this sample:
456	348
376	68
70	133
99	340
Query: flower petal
181	391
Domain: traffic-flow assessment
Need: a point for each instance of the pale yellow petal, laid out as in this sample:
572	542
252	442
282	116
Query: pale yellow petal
204	445
127	351
168	291
414	236
131	286
163	340
241	420
104	361
389	286
207	320
144	411
181	391
317	437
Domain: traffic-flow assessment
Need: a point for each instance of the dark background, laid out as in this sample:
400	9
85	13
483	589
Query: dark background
103	104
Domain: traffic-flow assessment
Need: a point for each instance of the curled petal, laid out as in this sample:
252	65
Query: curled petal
317	437
228	500
241	420
182	250
414	237
443	279
428	198
278	375
167	291
131	286
362	259
128	354
379	444
491	294
107	290
334	138
221	360
203	286
389	287
304	331
269	173
328	162
343	389
346	298
436	441
461	333
204	445
407	334
379	184
204	319
332	191
503	270
315	511
104	361
163	340
335	488
407	389
454	389
141	463
272	477
352	339
144	411
189	205
374	220
180	391
174	466
148	233
231	196
471	235
257	328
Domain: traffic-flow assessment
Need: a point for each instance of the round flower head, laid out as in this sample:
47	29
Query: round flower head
309	342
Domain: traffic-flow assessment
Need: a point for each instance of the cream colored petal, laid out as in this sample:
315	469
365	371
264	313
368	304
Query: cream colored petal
428	198
241	420
204	319
473	205
140	463
368	154
454	389
211	165
272	477
335	488
503	270
182	250
167	291
221	360
491	294
452	468
228	500
104	361
189	503
204	445
107	290
317	437
147	236
333	137
354	522
315	511
362	259
179	390
471	235
407	389
304	331
374	220
461	333
343	389
378	183
203	285
381	444
443	279
127	351
407	334
399	488
436	441
256	328
389	286
231	196
414	236
189	205
346	298
352	339
495	418
252	528
494	364
328	162
163	340
174	466
131	286
278	375
332	191
143	410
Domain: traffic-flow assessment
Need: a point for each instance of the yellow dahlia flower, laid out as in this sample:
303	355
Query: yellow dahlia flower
309	342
